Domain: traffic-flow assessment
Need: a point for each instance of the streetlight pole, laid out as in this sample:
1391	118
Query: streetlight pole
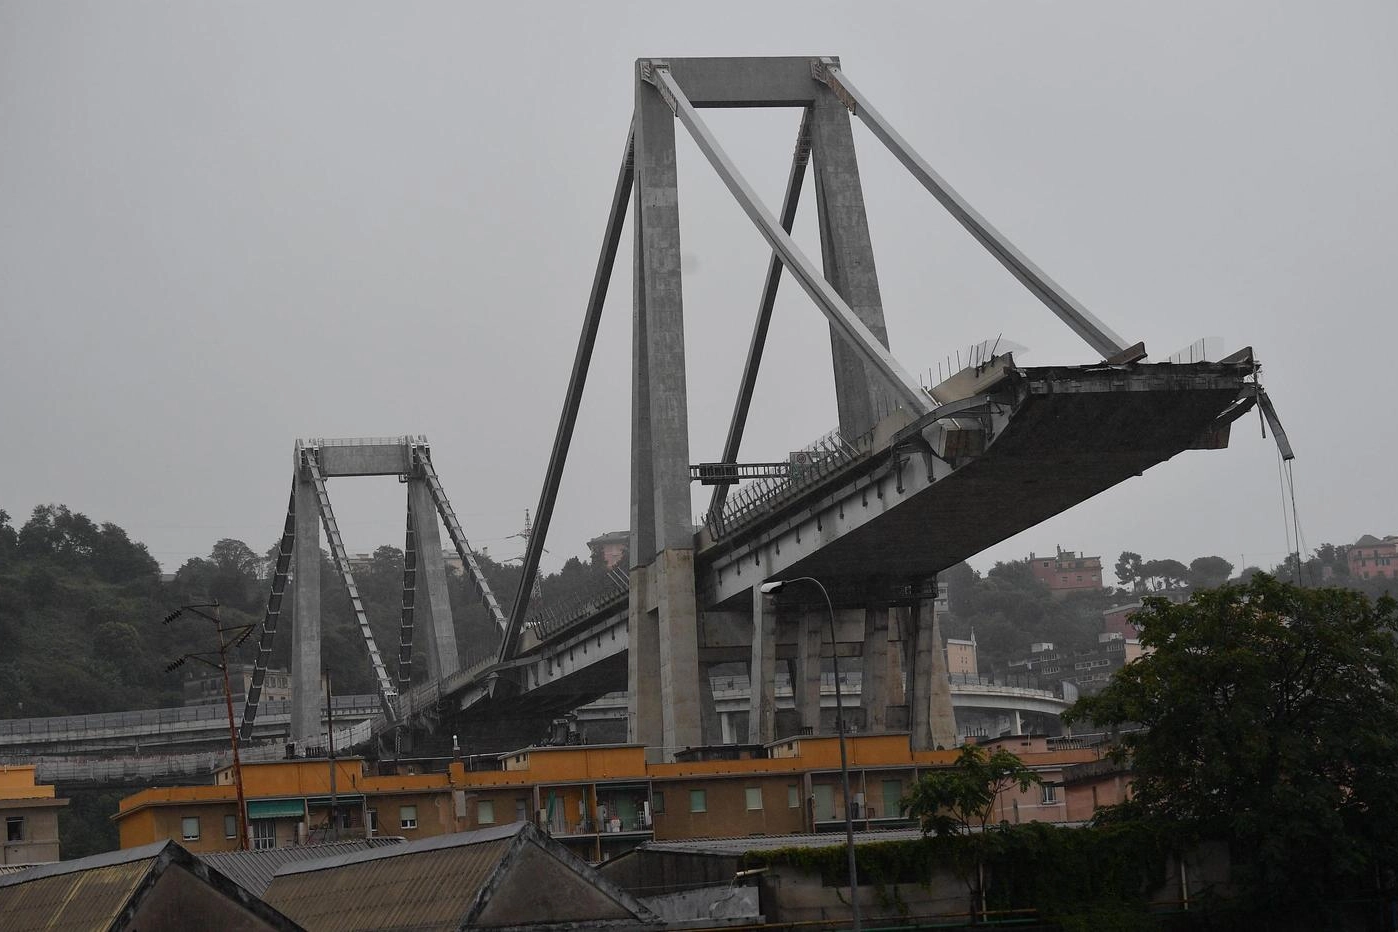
771	588
228	638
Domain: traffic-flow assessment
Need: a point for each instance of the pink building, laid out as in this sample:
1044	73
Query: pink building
1067	571
1370	558
610	548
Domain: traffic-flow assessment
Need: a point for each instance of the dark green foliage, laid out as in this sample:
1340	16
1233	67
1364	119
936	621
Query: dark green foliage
1270	722
961	798
1095	878
85	826
1009	608
1128	570
1208	572
80	610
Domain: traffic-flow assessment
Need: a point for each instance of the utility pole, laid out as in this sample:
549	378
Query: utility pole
228	639
330	748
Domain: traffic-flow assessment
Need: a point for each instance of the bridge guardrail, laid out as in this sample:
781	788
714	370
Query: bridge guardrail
746	503
549	620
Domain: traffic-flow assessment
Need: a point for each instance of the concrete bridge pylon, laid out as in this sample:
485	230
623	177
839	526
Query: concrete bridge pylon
298	564
915	478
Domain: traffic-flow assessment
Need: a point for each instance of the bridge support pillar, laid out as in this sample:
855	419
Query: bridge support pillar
662	529
679	651
762	670
805	687
929	693
432	610
873	694
306	700
848	256
644	725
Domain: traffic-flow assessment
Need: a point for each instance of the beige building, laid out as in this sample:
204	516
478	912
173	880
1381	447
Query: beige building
29	812
961	656
206	688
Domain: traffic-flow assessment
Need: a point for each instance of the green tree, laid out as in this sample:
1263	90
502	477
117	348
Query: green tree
1208	572
1267	718
961	800
1170	572
1128	570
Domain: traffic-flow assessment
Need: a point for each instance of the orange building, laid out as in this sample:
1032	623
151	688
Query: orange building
29	812
599	800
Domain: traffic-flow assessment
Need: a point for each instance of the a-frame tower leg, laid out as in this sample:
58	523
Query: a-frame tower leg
848	257
664	645
305	631
433	609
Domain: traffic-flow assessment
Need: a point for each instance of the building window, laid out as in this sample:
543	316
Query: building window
1050	793
373	817
407	816
824	794
264	834
698	801
485	812
230	826
189	828
754	797
793	797
14	828
657	803
892	796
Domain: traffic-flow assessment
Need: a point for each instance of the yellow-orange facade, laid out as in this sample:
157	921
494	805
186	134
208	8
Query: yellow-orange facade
28	817
600	800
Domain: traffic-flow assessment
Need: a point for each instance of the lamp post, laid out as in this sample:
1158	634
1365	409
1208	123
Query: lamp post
228	638
772	588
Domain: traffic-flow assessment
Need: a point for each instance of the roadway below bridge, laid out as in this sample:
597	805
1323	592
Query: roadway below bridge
157	747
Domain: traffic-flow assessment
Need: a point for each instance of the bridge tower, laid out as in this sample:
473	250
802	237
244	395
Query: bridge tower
665	673
425	599
871	512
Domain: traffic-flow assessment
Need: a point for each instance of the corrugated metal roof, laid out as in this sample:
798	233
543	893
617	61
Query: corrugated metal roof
740	846
16	868
457	840
81	899
253	870
105	859
424	889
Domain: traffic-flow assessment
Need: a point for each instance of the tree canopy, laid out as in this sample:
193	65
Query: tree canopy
961	798
1266	715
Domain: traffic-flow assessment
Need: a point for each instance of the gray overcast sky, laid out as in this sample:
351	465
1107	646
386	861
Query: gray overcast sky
224	226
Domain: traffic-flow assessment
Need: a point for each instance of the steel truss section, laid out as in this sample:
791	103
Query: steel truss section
406	618
270	619
387	691
1082	321
842	318
422	461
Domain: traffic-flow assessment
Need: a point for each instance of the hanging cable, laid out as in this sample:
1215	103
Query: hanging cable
1286	521
1295	520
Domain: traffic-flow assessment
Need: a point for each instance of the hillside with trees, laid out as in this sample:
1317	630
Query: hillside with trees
1008	608
81	607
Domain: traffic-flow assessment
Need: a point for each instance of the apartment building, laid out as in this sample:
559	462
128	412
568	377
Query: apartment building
598	800
29	812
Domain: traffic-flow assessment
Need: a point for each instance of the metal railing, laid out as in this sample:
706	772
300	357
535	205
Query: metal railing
363	441
141	722
809	466
546	621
